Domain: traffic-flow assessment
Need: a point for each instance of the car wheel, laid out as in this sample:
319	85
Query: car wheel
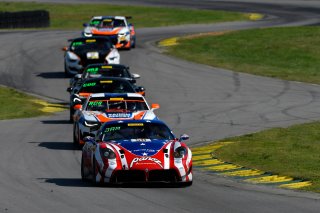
83	178
76	136
71	114
133	43
66	73
93	179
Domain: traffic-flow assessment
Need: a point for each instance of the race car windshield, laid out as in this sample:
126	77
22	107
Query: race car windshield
127	131
106	73
107	86
90	44
116	104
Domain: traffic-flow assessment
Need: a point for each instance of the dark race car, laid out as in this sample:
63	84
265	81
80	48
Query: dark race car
104	70
100	85
136	151
84	51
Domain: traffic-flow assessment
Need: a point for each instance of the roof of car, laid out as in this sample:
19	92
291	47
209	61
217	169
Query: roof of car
96	95
106	17
136	121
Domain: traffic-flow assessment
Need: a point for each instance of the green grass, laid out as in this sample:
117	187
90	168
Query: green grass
286	53
72	16
18	105
293	151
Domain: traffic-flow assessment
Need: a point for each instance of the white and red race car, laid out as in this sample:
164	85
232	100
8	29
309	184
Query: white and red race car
104	107
115	27
136	151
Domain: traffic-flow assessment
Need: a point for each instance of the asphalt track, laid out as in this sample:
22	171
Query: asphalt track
40	171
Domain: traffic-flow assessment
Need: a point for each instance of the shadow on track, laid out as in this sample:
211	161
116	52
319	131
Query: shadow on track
59	74
57	145
56	122
72	182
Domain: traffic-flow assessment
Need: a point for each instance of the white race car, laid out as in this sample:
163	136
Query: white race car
115	27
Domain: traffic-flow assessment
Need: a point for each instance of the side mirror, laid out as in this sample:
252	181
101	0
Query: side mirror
135	76
85	24
69	89
140	89
184	137
77	107
77	76
64	48
155	106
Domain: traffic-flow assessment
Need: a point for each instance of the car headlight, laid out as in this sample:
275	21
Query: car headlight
180	152
107	153
72	57
91	123
113	58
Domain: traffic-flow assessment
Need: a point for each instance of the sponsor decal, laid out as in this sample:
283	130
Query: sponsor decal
95	103
93	70
89	84
77	43
135	124
95	22
106	67
106	82
116	99
143	161
119	115
112	129
90	40
141	140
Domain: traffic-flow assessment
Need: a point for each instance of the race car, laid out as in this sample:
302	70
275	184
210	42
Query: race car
100	85
136	151
104	70
104	107
115	27
84	51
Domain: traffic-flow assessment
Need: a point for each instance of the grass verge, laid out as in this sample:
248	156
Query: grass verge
18	105
287	53
72	16
292	151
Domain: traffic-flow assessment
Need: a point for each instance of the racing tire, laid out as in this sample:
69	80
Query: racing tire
71	111
93	178
83	178
133	43
66	73
76	137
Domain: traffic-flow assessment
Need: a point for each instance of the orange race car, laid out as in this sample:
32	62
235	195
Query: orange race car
115	27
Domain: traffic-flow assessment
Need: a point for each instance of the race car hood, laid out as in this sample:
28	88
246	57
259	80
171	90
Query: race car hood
82	53
107	116
143	147
105	31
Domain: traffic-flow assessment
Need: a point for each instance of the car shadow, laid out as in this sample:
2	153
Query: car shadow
58	145
56	122
58	74
72	182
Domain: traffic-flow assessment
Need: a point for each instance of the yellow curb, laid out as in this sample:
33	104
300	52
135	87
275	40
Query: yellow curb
208	162
51	108
224	167
270	179
201	157
244	173
169	42
296	185
255	16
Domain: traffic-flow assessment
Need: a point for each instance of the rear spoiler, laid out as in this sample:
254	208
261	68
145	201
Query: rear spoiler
128	17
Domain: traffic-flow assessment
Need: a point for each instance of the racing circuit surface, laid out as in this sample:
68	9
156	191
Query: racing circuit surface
40	171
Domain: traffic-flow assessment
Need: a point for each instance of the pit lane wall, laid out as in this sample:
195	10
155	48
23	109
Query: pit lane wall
24	19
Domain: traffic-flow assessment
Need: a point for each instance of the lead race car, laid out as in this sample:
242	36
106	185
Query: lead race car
104	107
115	27
136	151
